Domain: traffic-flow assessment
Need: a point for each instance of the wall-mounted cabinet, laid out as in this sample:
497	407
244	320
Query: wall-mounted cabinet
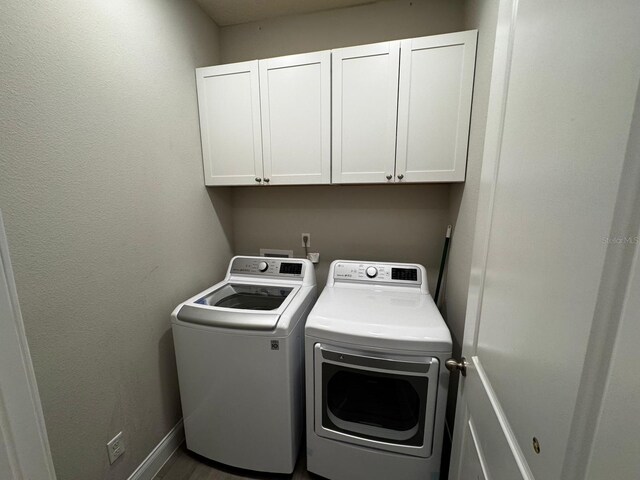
295	95
267	122
434	107
229	105
384	113
365	107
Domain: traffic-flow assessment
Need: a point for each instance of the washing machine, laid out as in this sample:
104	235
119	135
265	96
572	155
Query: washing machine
376	382
239	352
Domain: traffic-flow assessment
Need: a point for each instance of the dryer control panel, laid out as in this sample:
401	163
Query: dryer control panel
388	273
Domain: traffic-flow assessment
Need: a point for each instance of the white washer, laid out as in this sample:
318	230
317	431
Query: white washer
376	382
239	351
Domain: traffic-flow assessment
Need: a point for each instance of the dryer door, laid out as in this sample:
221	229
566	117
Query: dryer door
376	400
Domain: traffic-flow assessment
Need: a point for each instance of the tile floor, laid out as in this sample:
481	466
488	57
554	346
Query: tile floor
185	465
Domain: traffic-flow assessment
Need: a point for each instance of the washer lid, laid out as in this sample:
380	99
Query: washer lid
237	305
236	319
242	296
379	318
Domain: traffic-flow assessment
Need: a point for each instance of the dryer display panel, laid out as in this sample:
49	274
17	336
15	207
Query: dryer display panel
410	274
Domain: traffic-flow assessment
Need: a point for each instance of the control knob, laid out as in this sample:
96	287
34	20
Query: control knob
263	267
372	272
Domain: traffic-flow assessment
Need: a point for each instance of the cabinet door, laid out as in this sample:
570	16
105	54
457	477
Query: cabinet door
295	96
229	104
436	83
365	104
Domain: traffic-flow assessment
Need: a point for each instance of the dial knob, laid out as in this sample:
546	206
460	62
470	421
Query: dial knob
372	272
263	267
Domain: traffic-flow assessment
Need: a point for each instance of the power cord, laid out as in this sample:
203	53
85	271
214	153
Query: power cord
305	239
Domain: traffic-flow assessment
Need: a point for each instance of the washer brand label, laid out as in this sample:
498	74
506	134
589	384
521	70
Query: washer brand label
275	344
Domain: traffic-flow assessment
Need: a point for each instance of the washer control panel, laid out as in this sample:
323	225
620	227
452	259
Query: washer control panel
280	267
377	273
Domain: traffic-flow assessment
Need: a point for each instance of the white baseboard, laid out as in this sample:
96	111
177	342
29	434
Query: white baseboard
151	465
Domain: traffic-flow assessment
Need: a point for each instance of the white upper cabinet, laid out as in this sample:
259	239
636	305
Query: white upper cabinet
365	104
383	113
434	107
295	97
229	105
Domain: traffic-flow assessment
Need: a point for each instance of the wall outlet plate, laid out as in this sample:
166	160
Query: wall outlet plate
308	235
115	447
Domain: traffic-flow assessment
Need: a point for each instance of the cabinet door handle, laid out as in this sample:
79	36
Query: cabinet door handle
389	177
258	179
400	177
266	180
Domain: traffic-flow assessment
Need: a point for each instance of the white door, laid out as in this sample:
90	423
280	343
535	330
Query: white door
24	447
364	112
229	105
434	107
295	95
548	271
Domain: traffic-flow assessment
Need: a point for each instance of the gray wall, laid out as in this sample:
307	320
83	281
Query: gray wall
108	221
403	223
374	22
394	223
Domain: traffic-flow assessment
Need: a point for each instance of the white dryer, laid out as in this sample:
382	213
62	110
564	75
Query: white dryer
239	352
376	382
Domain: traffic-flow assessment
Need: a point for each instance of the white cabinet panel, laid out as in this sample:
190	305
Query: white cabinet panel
383	113
436	83
365	101
295	95
229	104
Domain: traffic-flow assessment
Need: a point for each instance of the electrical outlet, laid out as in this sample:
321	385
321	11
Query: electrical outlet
308	235
115	447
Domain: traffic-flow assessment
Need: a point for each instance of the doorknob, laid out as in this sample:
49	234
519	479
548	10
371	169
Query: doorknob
258	179
389	177
453	365
266	180
400	177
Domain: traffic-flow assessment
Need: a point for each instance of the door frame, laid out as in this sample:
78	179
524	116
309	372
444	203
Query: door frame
22	424
498	93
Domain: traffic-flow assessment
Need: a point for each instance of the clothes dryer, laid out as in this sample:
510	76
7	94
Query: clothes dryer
376	382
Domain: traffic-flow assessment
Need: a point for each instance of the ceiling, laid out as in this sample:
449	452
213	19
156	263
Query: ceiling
232	12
